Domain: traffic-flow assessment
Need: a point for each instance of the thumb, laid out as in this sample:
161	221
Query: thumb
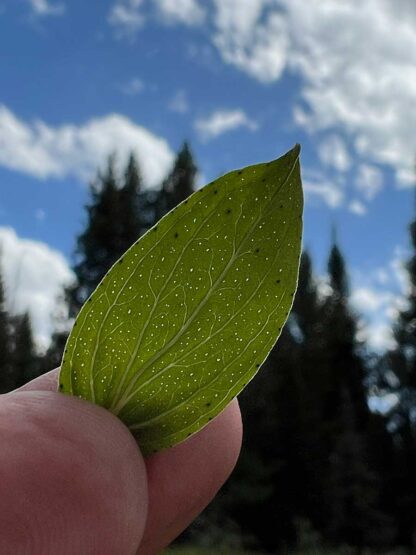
72	478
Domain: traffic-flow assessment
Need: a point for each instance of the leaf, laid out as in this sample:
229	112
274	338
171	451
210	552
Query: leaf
185	318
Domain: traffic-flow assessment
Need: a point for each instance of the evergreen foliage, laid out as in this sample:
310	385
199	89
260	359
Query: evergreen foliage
25	360
179	184
402	362
6	376
113	225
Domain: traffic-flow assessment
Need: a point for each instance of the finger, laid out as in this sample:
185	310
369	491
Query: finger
184	479
72	478
45	382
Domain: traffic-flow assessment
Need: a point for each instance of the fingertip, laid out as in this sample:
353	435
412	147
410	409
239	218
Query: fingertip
73	479
184	479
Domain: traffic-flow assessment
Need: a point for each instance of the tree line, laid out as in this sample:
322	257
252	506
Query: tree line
316	462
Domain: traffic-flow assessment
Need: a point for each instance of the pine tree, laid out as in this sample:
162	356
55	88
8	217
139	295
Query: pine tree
6	377
276	481
113	225
115	221
403	363
24	360
344	359
179	184
314	386
350	501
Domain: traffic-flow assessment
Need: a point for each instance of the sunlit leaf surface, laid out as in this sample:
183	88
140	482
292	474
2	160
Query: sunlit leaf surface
185	318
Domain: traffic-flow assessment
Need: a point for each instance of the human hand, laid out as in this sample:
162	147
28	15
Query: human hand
73	481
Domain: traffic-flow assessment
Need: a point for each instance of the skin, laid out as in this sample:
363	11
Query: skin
73	480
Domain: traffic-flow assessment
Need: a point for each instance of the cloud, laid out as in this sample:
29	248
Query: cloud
42	151
132	87
188	12
355	64
126	18
369	181
223	121
357	207
375	305
333	153
250	40
378	296
370	299
46	8
316	185
34	275
179	103
367	92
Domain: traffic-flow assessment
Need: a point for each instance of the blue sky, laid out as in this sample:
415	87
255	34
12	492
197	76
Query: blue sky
242	80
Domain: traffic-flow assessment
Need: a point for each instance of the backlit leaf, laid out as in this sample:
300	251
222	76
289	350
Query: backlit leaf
185	318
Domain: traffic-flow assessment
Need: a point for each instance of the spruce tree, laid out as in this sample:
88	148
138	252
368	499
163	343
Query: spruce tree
344	359
113	225
179	184
6	377
114	222
403	363
350	500
278	478
309	328
25	360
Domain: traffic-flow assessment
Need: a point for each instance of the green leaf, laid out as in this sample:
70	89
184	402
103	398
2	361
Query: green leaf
185	318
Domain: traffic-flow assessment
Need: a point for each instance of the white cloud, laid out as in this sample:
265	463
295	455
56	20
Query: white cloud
369	181
376	307
132	87
357	207
179	102
126	17
46	8
334	153
43	151
370	299
34	275
318	186
188	12
223	121
246	38
379	337
356	61
378	295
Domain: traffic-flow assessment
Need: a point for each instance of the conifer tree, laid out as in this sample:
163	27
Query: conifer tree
113	224
179	184
351	501
403	363
24	360
6	378
344	360
276	481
